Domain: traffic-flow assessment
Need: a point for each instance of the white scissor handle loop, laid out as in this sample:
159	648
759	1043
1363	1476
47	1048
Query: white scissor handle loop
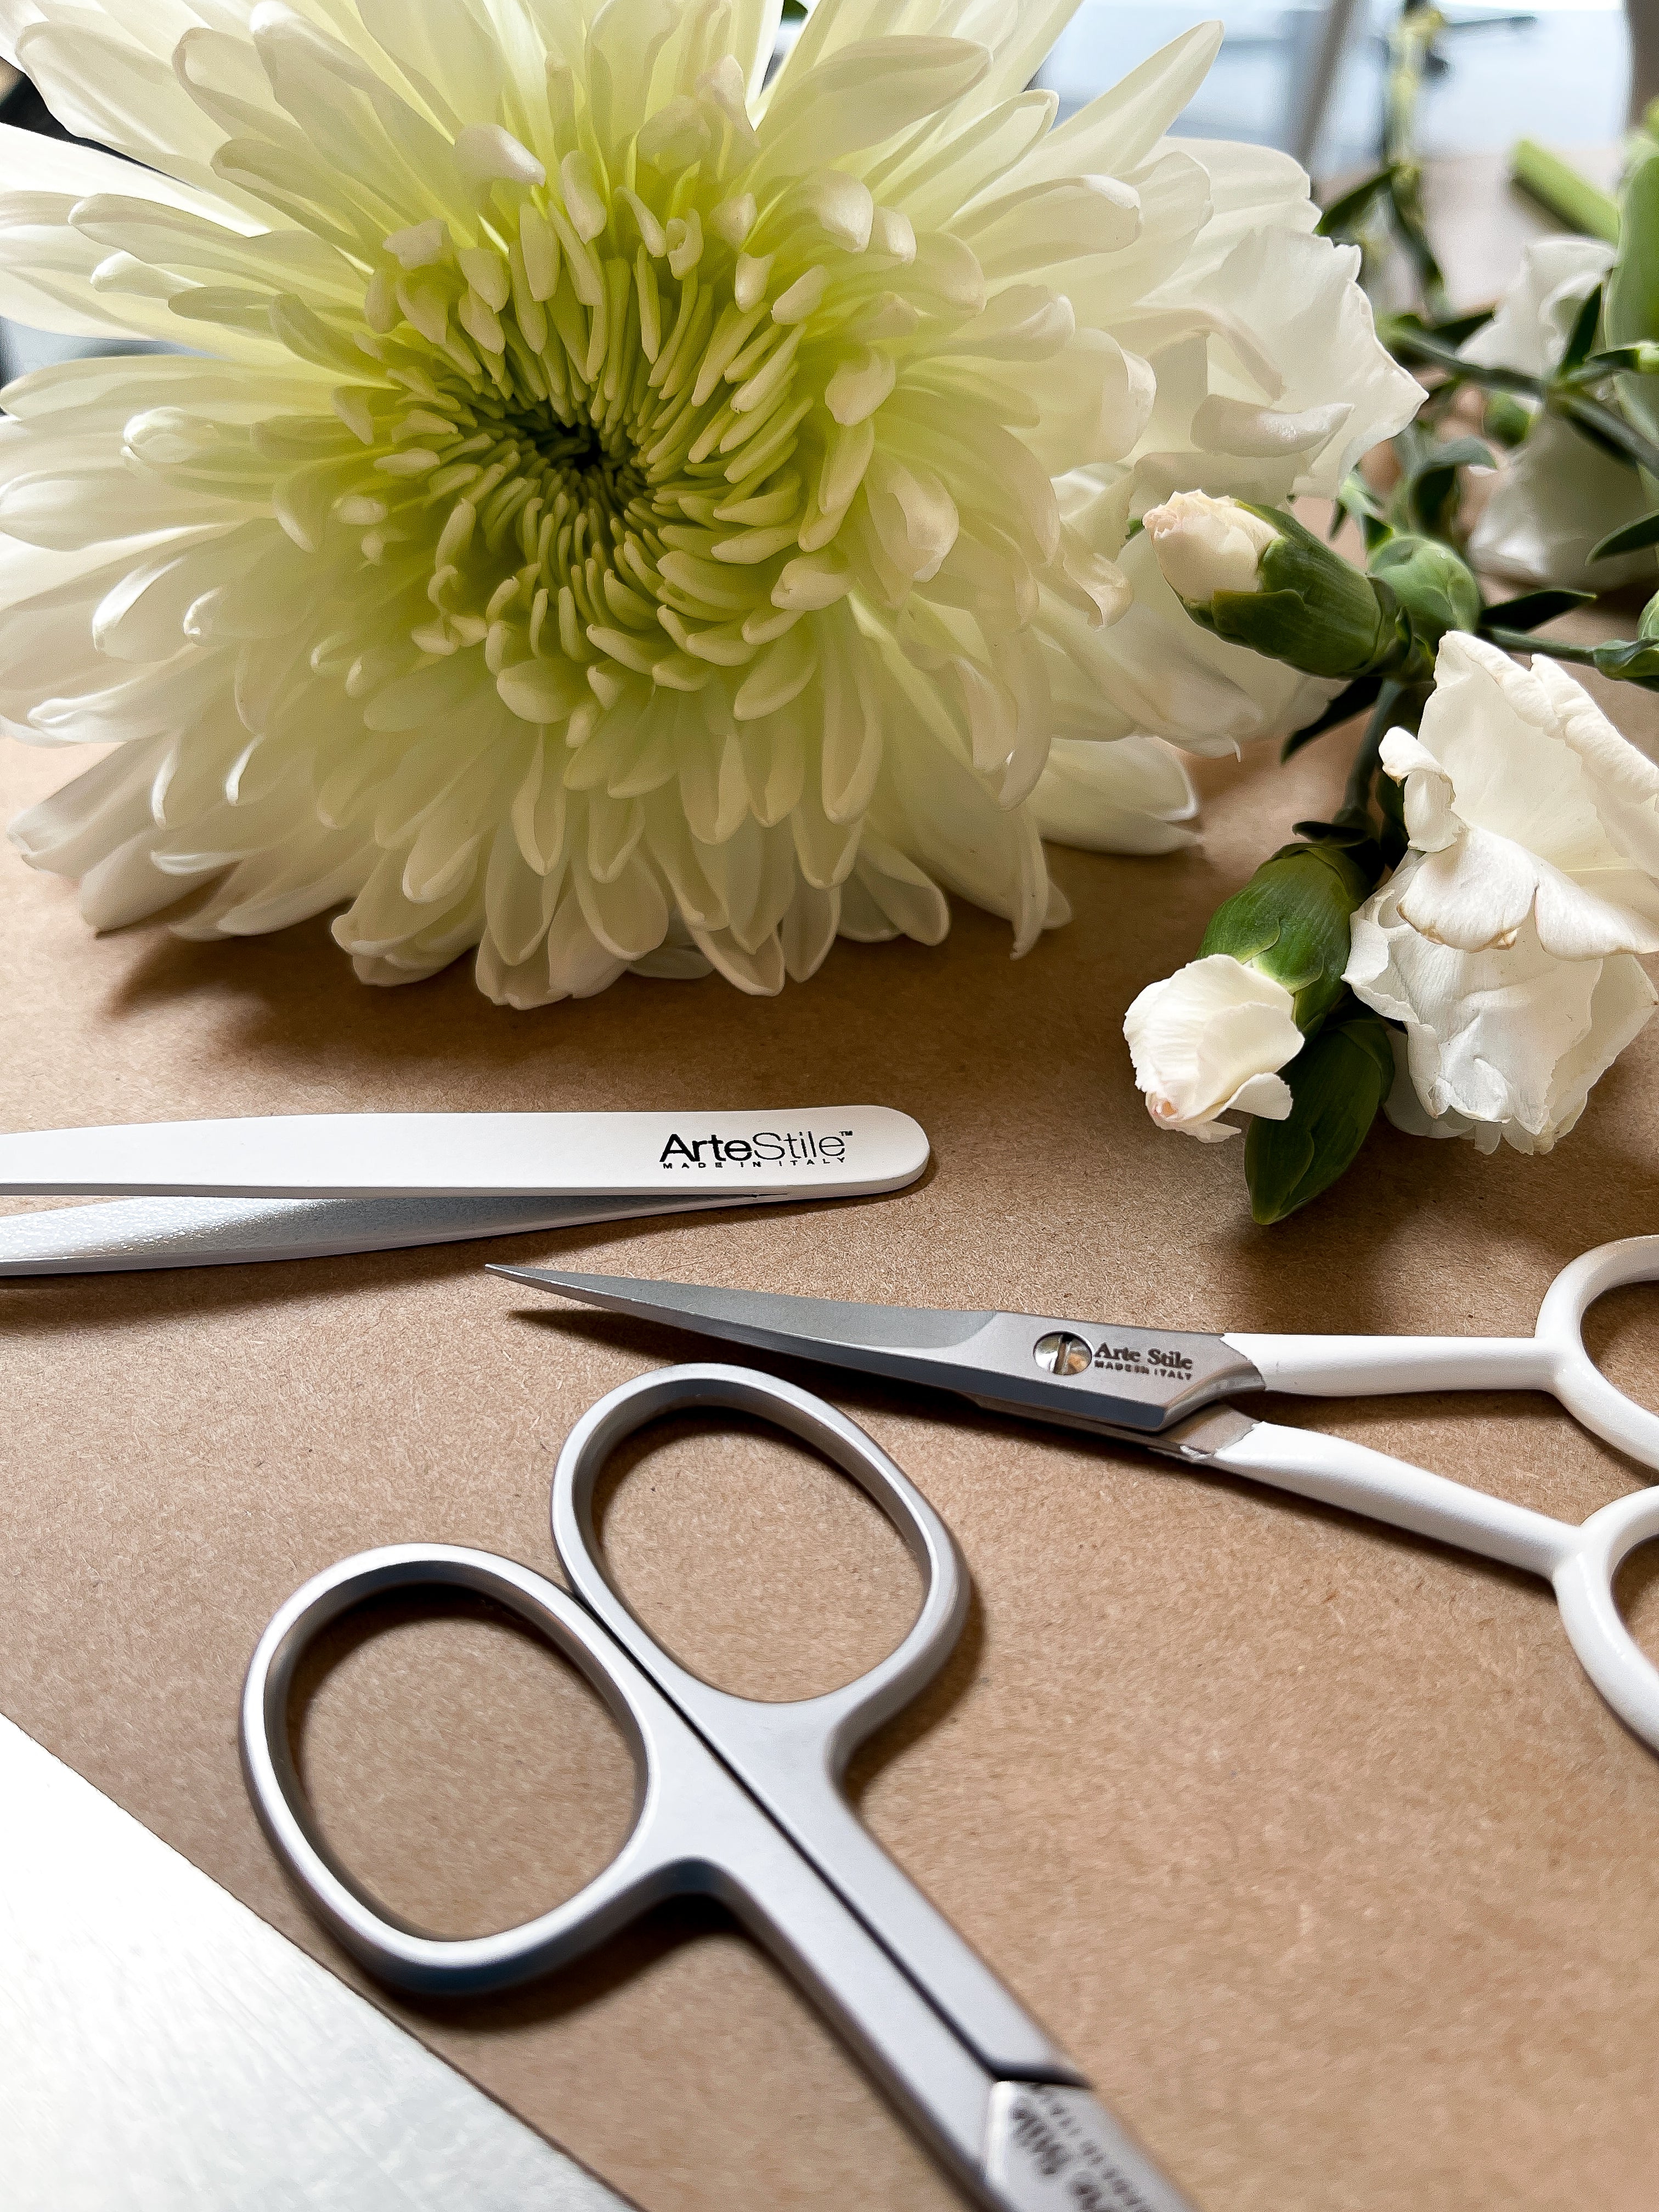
839	1720
1577	1381
392	1947
1584	1580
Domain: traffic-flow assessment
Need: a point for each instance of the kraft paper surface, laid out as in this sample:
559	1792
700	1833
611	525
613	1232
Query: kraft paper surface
1311	1842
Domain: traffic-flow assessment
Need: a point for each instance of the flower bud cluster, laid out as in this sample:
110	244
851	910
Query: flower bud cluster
1480	991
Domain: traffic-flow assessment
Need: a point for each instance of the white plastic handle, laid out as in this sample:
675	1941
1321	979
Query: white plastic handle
1582	1563
1553	1359
1607	1650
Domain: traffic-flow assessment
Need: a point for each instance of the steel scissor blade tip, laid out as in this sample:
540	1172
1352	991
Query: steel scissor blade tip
1124	1381
770	1320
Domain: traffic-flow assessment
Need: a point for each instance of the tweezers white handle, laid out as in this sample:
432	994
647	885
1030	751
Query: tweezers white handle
769	1153
136	1233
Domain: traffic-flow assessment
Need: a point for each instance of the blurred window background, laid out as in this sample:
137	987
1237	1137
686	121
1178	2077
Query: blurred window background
1558	71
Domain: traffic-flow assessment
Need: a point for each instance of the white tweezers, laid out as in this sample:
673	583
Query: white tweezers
214	1194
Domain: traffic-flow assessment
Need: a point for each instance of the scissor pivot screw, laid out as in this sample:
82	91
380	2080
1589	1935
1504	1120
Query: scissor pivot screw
1062	1354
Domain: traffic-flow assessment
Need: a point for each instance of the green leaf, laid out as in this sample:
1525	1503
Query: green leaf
1349	213
1534	607
1355	500
1621	361
1585	324
1606	430
1461	452
1350	701
1451	330
1634	538
1337	1082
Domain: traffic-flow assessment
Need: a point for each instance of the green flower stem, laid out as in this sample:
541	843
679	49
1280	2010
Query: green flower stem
1355	810
1521	641
1601	424
1605	426
1408	344
1624	660
1409	49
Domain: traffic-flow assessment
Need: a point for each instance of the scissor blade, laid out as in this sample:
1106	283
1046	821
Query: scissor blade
767	1319
1075	1372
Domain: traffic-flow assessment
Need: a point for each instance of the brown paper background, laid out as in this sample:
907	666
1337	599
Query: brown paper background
1309	1841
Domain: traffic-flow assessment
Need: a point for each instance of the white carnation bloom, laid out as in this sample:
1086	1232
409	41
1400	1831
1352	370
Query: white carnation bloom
617	512
1557	496
1210	1040
1507	942
1503	1044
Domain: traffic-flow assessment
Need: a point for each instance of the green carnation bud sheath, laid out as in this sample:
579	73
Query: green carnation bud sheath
1337	1086
1292	921
1313	609
1433	585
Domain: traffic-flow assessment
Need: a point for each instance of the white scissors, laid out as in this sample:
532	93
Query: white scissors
1160	1389
742	1802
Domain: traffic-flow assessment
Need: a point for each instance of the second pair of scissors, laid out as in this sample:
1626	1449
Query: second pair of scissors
742	1802
1165	1388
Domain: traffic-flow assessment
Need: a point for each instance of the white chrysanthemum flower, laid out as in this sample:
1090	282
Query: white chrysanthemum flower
616	515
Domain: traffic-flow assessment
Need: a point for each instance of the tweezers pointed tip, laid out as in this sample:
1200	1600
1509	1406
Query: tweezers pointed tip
539	1279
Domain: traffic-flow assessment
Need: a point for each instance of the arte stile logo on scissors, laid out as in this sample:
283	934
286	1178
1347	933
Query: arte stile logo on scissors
765	1148
1053	2149
1125	1359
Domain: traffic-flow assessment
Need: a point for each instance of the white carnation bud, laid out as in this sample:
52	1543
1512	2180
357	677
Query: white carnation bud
1210	1040
1205	545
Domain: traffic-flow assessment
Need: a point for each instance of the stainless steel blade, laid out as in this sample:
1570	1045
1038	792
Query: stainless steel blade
162	2047
1079	1374
216	1232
